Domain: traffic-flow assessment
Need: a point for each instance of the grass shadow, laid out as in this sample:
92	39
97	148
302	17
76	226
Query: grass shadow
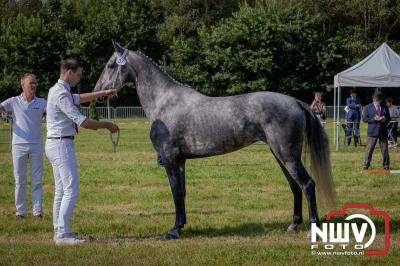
245	229
161	213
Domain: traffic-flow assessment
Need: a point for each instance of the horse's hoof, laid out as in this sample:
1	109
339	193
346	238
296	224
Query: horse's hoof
173	234
293	228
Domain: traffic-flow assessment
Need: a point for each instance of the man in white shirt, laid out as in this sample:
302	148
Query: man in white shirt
63	117
27	113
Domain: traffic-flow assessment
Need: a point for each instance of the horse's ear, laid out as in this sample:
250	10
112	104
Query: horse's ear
118	48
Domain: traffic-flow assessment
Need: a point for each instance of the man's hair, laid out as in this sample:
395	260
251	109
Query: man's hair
24	76
378	95
315	92
70	64
389	100
353	91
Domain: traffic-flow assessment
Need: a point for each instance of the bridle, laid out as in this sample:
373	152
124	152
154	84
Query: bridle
121	61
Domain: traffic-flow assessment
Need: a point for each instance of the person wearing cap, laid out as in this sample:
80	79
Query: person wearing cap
353	117
377	115
27	113
63	118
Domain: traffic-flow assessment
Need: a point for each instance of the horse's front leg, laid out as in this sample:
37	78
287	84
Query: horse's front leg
176	176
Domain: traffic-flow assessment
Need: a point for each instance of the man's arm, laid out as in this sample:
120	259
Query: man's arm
367	117
93	124
351	105
71	111
87	97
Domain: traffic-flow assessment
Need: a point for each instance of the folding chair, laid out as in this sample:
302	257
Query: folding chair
391	133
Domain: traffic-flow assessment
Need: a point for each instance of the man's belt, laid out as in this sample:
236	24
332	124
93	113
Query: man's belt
65	137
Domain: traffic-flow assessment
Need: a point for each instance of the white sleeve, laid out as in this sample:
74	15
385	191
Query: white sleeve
69	109
44	106
77	98
8	105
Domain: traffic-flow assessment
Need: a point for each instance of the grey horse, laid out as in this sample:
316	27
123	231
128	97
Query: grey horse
185	124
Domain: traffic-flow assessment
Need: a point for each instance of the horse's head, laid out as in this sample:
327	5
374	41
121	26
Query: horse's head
116	71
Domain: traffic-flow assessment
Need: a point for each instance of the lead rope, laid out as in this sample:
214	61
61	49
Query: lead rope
113	142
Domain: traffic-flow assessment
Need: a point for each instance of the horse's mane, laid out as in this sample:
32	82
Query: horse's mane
162	70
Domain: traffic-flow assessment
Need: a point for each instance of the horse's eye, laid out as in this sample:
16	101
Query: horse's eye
111	65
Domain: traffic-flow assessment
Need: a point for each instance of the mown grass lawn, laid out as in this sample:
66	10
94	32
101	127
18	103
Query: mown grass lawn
238	208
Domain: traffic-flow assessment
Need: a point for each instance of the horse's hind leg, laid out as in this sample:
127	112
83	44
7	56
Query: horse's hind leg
176	176
297	198
307	185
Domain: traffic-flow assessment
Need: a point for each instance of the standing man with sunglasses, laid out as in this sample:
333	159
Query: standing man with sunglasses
27	113
63	119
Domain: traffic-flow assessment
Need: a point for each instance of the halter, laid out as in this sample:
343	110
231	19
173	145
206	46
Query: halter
121	60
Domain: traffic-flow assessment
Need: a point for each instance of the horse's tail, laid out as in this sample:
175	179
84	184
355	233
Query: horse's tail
317	144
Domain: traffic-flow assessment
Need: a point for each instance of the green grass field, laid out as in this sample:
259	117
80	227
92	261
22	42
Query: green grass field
238	208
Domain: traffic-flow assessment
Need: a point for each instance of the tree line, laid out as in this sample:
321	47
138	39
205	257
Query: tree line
219	47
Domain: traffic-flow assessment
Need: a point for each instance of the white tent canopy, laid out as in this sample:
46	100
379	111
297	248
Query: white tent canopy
379	69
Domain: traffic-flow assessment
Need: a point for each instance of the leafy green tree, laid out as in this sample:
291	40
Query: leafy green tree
93	114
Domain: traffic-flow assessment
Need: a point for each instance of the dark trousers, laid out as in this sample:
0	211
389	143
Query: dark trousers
383	143
349	132
356	125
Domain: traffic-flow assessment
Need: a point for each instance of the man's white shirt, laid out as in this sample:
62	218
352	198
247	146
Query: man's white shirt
62	112
27	118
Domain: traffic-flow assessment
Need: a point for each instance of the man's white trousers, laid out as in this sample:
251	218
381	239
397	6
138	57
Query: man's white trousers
62	157
21	154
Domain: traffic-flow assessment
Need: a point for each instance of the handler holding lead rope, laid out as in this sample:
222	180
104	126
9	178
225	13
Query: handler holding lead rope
63	117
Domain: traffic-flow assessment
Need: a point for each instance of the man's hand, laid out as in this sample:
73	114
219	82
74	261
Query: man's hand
109	93
112	127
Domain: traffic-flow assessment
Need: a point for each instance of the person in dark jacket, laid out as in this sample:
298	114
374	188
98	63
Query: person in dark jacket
377	115
353	117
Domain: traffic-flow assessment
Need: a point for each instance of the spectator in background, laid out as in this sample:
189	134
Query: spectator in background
377	115
353	117
319	107
27	112
394	115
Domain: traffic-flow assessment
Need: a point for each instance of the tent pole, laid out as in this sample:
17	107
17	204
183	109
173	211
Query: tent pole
338	119
334	115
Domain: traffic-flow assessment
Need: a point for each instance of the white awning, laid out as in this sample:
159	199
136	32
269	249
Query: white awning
379	69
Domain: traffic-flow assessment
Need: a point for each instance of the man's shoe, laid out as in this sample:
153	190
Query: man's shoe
38	216
69	240
365	167
21	216
386	167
